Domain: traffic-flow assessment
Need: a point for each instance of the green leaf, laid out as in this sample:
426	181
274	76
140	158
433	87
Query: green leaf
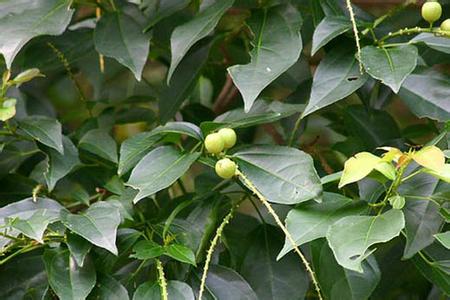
443	175
99	142
119	36
133	149
181	253
45	130
261	112
34	226
390	65
183	81
434	267
351	237
60	165
20	277
26	209
444	238
329	28
424	93
276	47
78	247
225	283
339	283
421	215
187	34
67	280
358	167
311	220
98	224
39	17
147	249
159	169
157	10
283	175
185	128
269	278
336	77
109	288
435	42
176	290
7	113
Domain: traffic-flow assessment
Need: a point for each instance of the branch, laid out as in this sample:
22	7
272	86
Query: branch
162	280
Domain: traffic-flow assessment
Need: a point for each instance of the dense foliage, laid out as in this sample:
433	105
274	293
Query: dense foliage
224	149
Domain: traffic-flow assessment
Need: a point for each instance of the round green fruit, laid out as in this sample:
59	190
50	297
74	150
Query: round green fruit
229	137
214	143
431	11
445	26
225	168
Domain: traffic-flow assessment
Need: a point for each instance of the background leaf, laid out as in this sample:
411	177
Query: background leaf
46	130
119	36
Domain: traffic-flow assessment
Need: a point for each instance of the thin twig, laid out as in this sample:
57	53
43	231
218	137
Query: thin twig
211	248
226	95
355	32
291	240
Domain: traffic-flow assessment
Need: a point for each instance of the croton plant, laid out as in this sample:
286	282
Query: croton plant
224	149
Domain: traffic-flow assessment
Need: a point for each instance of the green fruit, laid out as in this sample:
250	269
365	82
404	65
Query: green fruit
431	11
229	137
445	26
225	168
214	143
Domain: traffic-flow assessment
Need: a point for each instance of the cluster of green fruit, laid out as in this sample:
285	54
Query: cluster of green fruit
216	143
432	11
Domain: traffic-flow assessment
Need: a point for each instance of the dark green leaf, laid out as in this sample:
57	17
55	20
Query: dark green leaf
224	283
351	237
109	288
157	10
78	247
183	82
45	130
329	28
425	92
390	65
283	175
339	283
60	165
336	77
421	215
159	169
176	290
19	23
67	280
311	220
186	35
99	142
269	278
98	225
119	36
276	47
